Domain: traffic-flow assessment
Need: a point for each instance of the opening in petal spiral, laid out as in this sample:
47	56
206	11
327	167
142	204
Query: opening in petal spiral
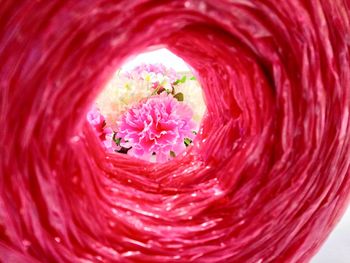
151	108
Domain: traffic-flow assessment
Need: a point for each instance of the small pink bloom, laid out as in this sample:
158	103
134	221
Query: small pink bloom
156	69
105	134
96	119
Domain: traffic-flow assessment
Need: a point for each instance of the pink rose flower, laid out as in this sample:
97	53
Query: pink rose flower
105	134
157	125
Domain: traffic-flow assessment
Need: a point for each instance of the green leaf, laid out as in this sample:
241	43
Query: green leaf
179	96
182	80
193	78
116	140
172	154
187	141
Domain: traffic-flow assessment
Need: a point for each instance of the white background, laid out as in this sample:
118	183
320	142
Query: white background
163	56
337	247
